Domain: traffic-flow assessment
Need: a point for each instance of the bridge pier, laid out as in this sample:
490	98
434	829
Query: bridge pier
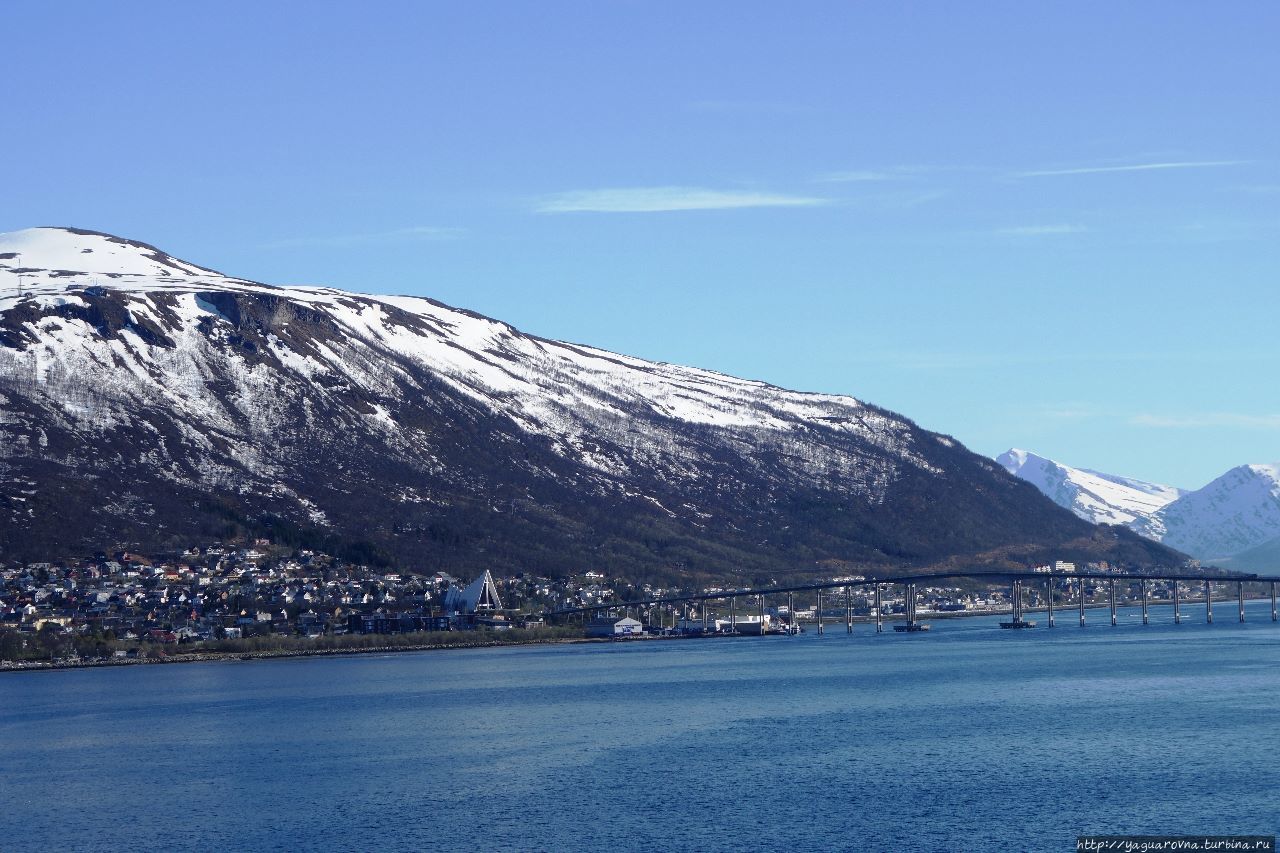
1177	605
817	610
761	614
1145	620
705	601
1111	596
1240	597
733	614
1048	594
1208	602
1081	581
1273	601
880	611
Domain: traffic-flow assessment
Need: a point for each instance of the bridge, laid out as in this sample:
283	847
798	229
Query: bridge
1019	584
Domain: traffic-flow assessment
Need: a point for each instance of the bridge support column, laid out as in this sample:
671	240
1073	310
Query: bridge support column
1240	597
1177	605
733	614
1048	596
1208	602
1111	596
1144	602
705	602
1081	580
880	613
1274	614
817	610
848	610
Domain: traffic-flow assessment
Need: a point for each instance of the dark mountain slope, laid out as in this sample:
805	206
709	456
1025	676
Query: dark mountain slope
150	403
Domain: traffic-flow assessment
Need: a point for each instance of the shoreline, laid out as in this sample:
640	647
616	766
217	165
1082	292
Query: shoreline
225	656
221	657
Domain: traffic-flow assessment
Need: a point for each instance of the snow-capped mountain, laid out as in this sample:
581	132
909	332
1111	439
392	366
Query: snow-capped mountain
1234	520
146	402
1094	496
1235	513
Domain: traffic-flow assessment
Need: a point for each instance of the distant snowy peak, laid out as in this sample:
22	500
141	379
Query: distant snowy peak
1236	512
1235	520
1092	495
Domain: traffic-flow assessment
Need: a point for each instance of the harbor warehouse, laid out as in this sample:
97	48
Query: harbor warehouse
614	627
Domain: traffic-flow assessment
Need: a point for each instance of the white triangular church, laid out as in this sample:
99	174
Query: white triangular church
481	595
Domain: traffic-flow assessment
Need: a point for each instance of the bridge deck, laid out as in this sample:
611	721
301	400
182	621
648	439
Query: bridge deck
1007	577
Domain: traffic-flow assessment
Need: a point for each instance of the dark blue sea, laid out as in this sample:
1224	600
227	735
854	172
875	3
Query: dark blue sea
965	738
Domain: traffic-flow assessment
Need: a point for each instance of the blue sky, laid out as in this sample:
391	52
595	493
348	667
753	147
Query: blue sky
1050	225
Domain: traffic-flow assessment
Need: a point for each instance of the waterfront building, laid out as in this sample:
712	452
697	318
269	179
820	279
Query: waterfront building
612	626
481	595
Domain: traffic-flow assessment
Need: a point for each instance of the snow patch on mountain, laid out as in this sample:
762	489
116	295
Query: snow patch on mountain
46	254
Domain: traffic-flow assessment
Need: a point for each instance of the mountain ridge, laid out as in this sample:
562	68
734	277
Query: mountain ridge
158	399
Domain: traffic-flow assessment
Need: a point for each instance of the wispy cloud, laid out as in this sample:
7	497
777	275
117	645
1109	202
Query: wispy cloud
1041	230
417	233
858	177
1207	419
906	199
1070	413
662	199
1132	167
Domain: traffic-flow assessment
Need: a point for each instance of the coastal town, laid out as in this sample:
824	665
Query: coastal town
125	607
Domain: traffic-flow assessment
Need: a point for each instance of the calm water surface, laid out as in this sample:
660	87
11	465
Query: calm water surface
967	738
